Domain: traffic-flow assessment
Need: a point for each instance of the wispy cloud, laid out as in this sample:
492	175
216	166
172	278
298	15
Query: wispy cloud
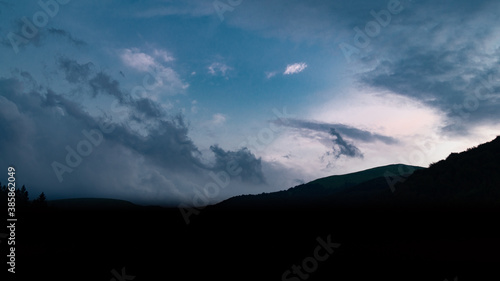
218	68
218	119
193	8
295	68
351	132
271	74
342	147
66	34
164	55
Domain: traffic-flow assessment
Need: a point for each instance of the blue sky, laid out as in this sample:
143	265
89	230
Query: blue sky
288	90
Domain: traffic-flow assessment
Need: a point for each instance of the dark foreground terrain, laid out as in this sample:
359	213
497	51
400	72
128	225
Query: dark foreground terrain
439	223
258	245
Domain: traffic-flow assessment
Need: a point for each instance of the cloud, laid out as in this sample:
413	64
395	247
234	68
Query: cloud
316	136
193	8
75	72
138	108
338	139
194	108
156	162
42	35
39	127
342	147
251	167
351	132
162	54
317	22
103	83
148	107
295	68
218	119
455	70
271	74
218	68
66	34
137	60
160	80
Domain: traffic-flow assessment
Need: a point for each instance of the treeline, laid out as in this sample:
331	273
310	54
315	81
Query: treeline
22	197
469	177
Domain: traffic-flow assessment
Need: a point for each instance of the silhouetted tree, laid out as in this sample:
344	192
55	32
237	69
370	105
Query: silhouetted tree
41	201
3	193
22	198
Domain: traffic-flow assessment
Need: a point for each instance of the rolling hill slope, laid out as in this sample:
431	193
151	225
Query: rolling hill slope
467	179
333	191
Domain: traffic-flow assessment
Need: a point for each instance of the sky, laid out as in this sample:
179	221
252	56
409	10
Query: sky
191	102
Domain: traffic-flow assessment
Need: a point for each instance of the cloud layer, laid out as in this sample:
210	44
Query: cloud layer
133	150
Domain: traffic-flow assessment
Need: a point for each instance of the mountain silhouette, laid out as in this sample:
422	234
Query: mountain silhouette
364	187
395	222
92	203
467	179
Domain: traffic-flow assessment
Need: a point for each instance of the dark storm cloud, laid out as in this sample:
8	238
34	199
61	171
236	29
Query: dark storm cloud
38	127
323	133
351	132
250	165
342	147
307	21
66	34
444	54
149	107
75	72
167	143
39	34
103	83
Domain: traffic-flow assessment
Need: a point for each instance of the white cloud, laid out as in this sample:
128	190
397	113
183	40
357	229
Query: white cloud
218	68
164	55
218	119
166	81
193	8
142	61
271	74
194	108
295	68
136	59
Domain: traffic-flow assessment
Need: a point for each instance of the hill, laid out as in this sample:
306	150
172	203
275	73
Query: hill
256	243
92	203
333	191
466	179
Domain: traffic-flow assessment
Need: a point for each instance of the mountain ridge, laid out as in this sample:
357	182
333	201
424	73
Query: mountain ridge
465	179
325	188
